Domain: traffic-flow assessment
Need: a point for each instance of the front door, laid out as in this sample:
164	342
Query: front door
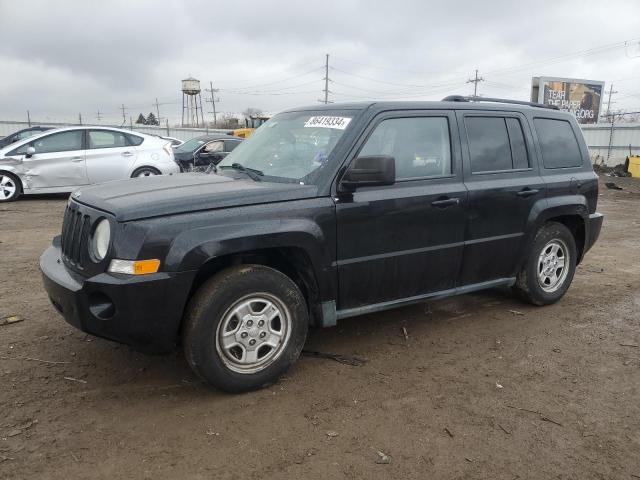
109	155
406	240
504	183
59	160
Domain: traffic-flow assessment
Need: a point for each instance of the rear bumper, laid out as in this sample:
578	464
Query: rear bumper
592	230
141	311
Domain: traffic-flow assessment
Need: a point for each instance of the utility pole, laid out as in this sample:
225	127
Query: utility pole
611	92
124	116
80	118
213	101
28	118
475	82
326	79
157	110
98	116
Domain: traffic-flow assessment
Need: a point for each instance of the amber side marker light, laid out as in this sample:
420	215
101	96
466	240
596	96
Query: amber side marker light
134	267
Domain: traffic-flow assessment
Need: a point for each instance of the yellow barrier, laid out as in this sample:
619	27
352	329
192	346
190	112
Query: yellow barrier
634	166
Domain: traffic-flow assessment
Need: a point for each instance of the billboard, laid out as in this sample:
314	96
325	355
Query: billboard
582	98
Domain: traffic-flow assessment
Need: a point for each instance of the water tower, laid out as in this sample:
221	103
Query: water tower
192	103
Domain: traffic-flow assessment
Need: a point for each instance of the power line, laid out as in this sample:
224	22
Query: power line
277	81
241	91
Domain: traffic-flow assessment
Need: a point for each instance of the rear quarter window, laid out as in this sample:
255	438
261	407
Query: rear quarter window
559	145
135	140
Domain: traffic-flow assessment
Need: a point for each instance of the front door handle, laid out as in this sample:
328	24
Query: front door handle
127	154
445	202
77	159
527	192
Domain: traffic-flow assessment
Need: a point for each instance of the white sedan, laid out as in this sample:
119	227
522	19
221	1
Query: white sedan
64	159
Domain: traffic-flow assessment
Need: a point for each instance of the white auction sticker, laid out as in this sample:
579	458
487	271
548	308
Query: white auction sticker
339	123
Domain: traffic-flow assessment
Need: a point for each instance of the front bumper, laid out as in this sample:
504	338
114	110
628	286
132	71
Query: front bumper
142	311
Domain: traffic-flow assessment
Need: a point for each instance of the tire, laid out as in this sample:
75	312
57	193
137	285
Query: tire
236	302
10	187
542	280
145	172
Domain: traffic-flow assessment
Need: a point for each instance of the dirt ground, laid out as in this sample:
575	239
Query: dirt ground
482	386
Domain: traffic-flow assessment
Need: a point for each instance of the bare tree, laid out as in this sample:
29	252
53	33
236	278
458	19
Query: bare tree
251	112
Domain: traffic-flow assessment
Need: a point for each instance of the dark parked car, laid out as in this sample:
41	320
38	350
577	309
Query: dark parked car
21	134
326	213
205	150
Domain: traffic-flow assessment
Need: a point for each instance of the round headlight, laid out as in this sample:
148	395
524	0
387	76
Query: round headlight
100	240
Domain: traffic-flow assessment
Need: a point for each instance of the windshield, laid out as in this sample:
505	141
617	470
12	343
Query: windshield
190	146
290	147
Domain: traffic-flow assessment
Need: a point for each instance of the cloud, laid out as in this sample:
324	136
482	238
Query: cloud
63	58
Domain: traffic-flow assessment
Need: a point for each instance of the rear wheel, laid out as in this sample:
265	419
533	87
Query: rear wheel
10	188
244	327
549	270
145	172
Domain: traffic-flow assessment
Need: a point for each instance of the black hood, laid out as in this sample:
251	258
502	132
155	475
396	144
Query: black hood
146	197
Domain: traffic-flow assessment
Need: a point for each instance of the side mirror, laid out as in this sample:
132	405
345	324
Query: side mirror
369	171
30	152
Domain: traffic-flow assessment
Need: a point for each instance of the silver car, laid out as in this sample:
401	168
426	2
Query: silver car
64	159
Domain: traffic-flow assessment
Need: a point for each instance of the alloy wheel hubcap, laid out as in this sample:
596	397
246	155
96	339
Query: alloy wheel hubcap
253	333
146	173
7	187
553	265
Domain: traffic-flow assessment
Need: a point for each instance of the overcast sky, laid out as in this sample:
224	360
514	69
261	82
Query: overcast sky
60	58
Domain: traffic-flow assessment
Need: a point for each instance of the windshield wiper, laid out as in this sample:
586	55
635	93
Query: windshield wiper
250	172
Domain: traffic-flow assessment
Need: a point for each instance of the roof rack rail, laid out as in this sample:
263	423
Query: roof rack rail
462	98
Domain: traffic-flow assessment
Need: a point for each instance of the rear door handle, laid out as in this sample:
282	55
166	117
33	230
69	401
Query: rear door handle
77	159
527	192
127	154
445	202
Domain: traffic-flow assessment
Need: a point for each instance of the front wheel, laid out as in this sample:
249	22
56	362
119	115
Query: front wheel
549	270
245	327
9	187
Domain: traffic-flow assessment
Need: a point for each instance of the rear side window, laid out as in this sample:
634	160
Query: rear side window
488	144
518	145
106	139
559	145
229	145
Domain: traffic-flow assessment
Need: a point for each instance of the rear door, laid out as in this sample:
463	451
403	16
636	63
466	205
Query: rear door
405	240
504	183
110	155
59	160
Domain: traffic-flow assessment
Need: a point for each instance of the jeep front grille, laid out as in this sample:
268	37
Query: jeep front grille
75	234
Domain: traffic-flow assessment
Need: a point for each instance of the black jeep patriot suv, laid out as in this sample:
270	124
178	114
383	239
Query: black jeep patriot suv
325	213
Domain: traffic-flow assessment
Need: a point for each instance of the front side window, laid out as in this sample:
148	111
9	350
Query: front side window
421	146
57	142
560	148
106	139
290	147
